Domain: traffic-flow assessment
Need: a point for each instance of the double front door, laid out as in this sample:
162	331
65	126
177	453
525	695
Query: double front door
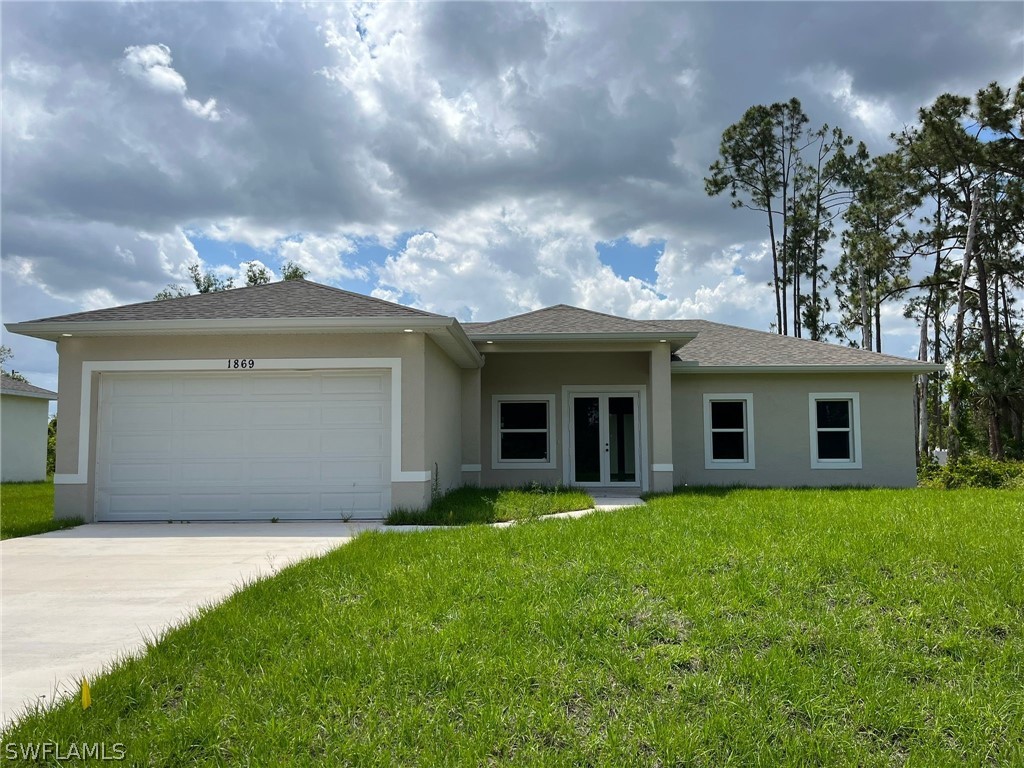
604	439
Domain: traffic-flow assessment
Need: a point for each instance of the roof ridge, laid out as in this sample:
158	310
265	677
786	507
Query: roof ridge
335	289
195	300
568	306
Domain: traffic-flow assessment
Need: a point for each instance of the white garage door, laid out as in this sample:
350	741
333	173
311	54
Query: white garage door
243	445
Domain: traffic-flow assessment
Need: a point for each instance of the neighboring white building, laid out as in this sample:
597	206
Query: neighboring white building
24	412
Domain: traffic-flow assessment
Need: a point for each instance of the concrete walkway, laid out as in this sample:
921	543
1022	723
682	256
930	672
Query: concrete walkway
72	601
601	504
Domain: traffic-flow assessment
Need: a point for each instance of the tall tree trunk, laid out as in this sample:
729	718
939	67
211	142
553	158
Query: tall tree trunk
878	326
922	397
796	292
958	332
815	245
865	312
940	442
995	440
775	270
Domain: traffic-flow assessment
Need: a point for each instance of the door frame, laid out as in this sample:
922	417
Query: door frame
640	391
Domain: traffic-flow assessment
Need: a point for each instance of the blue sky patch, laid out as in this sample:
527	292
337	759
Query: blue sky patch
627	259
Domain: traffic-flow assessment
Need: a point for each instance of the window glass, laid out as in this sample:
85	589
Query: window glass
524	445
727	414
834	445
728	446
524	415
833	414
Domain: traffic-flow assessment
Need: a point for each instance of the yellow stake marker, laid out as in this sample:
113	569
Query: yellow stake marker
86	696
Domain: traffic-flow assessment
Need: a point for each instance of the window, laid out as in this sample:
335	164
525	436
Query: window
729	431
522	432
835	430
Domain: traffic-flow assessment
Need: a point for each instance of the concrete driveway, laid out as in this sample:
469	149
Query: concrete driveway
72	601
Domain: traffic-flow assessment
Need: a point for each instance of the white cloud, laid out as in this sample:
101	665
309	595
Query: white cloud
321	256
151	64
876	115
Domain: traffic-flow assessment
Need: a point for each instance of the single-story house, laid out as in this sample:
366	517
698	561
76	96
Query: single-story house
24	416
296	400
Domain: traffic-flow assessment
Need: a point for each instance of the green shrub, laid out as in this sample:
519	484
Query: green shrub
974	471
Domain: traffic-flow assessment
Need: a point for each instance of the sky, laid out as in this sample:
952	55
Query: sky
472	159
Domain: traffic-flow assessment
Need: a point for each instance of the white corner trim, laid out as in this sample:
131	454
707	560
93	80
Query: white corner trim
857	460
496	462
747	398
472	468
393	364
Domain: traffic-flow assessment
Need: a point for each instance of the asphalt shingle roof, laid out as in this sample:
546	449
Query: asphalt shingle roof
561	318
716	344
288	298
11	386
728	345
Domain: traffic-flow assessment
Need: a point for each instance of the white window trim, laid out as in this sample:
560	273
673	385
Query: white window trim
496	461
747	398
856	461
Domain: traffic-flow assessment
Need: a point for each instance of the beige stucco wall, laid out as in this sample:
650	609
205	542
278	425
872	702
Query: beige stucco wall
23	423
547	373
443	409
76	500
782	443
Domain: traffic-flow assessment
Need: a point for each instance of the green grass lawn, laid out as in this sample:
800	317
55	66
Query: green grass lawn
493	505
27	509
729	628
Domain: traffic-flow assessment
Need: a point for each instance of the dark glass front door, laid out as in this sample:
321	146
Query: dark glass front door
605	439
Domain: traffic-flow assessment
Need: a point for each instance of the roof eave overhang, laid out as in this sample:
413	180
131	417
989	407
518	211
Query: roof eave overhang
36	395
676	337
909	368
445	331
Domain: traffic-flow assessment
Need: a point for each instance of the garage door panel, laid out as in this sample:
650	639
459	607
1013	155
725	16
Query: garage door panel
137	387
352	471
352	384
129	445
143	418
284	470
124	505
206	503
243	445
284	385
213	386
355	443
365	414
282	442
205	415
275	415
134	473
213	443
221	471
280	504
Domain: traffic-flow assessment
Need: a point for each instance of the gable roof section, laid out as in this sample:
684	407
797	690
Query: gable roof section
285	299
721	348
564	321
291	306
12	386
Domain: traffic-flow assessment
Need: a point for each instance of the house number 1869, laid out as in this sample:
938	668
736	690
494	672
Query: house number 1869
240	363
